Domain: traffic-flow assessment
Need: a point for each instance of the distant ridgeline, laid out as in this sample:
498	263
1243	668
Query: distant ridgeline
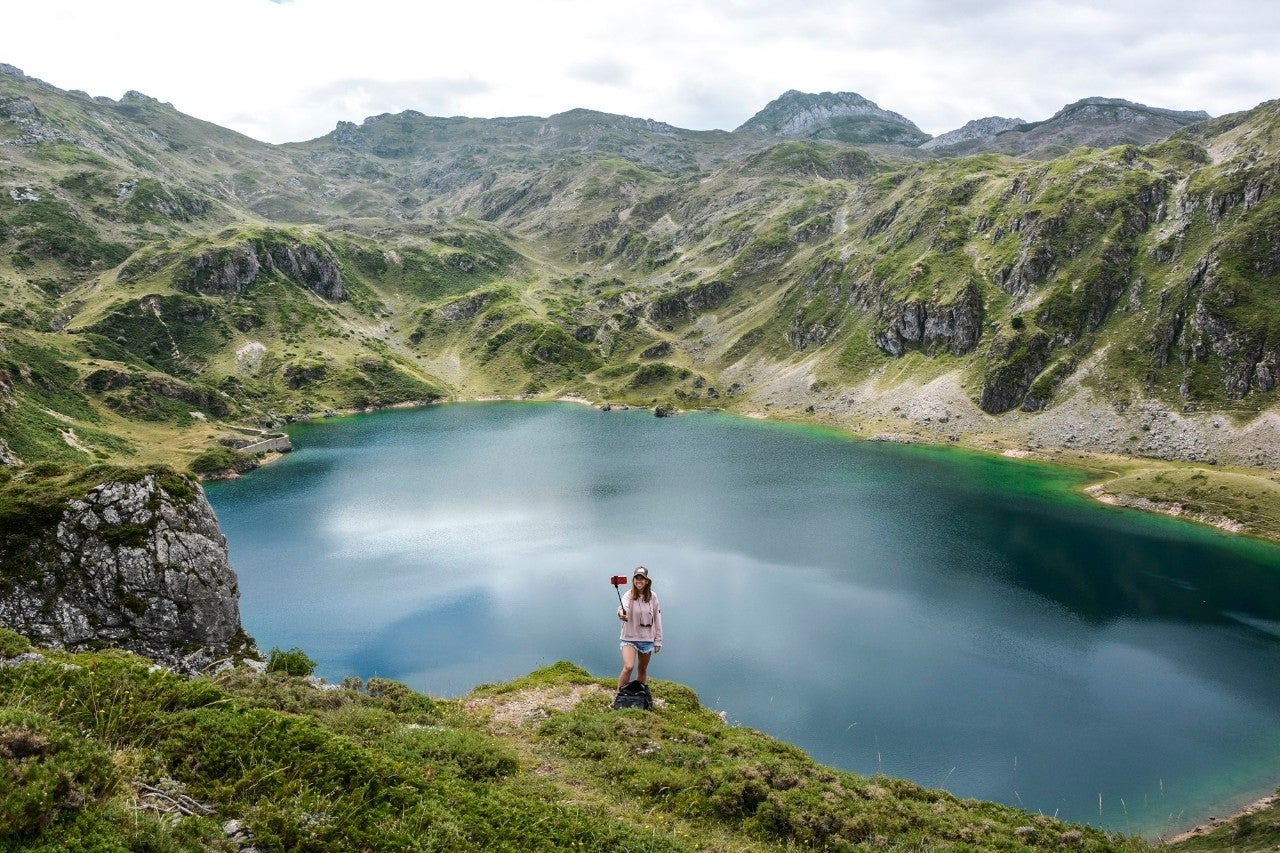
1104	280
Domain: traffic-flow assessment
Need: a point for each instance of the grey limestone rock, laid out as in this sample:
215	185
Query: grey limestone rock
228	270
130	565
975	131
955	326
7	456
800	114
1097	122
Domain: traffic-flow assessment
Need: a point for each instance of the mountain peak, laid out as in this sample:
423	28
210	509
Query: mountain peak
974	131
843	116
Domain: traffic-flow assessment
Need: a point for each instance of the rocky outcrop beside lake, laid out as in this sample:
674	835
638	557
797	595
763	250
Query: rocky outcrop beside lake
1013	361
954	326
137	565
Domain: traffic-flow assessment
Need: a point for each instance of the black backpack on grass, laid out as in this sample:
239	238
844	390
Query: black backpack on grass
633	694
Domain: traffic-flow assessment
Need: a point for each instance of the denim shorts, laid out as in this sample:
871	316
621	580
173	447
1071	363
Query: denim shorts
644	647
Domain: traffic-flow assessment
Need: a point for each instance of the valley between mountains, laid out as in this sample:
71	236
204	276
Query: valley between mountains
1100	288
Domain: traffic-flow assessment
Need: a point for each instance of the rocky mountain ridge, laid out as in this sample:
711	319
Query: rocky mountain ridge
842	117
1097	122
845	117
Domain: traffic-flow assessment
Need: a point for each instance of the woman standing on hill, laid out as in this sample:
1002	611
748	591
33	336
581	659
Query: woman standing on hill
641	626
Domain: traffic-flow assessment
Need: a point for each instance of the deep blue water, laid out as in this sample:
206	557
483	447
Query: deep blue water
966	621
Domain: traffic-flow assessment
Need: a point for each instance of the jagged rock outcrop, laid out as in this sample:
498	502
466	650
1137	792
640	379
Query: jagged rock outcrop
137	565
1206	317
302	374
1071	311
313	267
803	335
32	125
148	390
955	326
1013	362
152	198
1036	254
687	301
221	272
227	270
1249	357
466	307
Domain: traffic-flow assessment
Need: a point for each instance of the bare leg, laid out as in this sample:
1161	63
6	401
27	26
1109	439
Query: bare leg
643	674
628	664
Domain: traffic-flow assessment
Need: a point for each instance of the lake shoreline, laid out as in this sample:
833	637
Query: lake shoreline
1217	822
1104	468
1169	508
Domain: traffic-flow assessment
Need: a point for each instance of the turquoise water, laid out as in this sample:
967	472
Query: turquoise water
962	620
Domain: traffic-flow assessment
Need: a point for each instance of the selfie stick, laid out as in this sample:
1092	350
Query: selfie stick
615	580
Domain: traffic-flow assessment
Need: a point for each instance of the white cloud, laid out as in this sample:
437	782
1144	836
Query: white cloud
290	70
366	96
606	72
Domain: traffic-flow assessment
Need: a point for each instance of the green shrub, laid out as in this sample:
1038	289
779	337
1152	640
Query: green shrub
46	770
475	756
345	770
50	228
115	827
293	662
125	535
399	698
656	374
12	643
216	459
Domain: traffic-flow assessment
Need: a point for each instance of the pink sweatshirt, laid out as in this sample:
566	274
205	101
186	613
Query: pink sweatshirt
644	619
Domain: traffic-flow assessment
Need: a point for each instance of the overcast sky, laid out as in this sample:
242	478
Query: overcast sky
288	70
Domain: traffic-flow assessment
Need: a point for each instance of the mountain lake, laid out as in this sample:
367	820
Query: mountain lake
963	620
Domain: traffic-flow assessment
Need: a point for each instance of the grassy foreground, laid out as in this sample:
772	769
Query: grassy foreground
105	752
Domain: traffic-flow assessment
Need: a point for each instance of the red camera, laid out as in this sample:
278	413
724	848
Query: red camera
618	580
